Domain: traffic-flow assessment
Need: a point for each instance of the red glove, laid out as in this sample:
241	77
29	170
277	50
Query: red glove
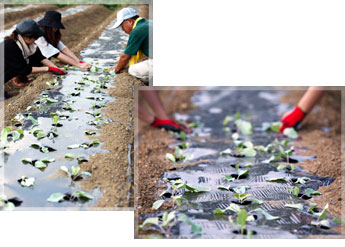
292	119
168	125
56	71
81	62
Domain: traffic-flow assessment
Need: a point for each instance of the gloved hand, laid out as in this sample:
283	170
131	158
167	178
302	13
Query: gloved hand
56	71
81	62
169	125
292	119
83	65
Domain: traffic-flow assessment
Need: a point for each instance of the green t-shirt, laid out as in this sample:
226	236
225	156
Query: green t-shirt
139	39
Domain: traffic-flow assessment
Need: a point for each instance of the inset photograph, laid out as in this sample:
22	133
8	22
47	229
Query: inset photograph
68	104
238	162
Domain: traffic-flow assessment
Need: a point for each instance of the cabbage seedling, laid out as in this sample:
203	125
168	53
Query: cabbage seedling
168	221
240	223
74	173
321	221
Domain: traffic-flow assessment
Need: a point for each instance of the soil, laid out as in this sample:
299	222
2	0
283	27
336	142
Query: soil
109	170
12	18
152	149
325	145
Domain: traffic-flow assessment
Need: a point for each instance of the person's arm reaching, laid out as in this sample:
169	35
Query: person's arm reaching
124	59
67	56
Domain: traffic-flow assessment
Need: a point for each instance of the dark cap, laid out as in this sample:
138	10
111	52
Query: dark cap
52	18
29	28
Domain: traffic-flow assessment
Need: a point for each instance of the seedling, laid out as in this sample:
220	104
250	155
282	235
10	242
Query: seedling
274	126
74	173
232	207
75	196
43	149
180	184
321	220
244	199
245	127
300	180
4	134
308	193
240	224
240	174
294	206
56	121
26	182
168	221
278	180
291	133
9	204
227	120
40	164
177	156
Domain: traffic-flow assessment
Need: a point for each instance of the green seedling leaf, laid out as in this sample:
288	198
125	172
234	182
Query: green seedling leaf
339	221
34	121
291	133
4	134
233	207
26	182
40	136
56	197
229	178
312	208
196	188
294	206
26	160
47	160
74	146
242	217
301	180
55	119
81	160
94	69
9	206
89	133
149	221
222	188
237	115
310	191
170	157
282	167
40	165
242	172
241	189
227	120
167	218
276	126
324	223
50	101
295	191
249	152
95	142
256	201
267	215
245	127
183	135
248	165
285	143
218	211
157	204
65	169
69	156
82	195
322	215
196	229
277	180
271	159
226	151
18	134
75	170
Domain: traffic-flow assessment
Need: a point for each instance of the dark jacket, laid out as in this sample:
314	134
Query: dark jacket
15	64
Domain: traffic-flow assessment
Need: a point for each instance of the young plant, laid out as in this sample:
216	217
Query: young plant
240	174
321	220
75	196
240	223
244	197
182	185
168	221
74	173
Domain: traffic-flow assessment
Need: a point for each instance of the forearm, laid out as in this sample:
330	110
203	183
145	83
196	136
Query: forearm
39	69
124	59
66	59
310	98
47	62
70	54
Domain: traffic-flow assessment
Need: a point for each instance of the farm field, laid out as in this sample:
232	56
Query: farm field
235	176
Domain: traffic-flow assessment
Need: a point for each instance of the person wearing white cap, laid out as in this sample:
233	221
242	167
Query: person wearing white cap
138	44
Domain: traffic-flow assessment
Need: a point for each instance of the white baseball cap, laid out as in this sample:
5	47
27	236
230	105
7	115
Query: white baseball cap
123	15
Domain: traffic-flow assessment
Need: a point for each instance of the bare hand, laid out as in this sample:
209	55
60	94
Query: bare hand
84	65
